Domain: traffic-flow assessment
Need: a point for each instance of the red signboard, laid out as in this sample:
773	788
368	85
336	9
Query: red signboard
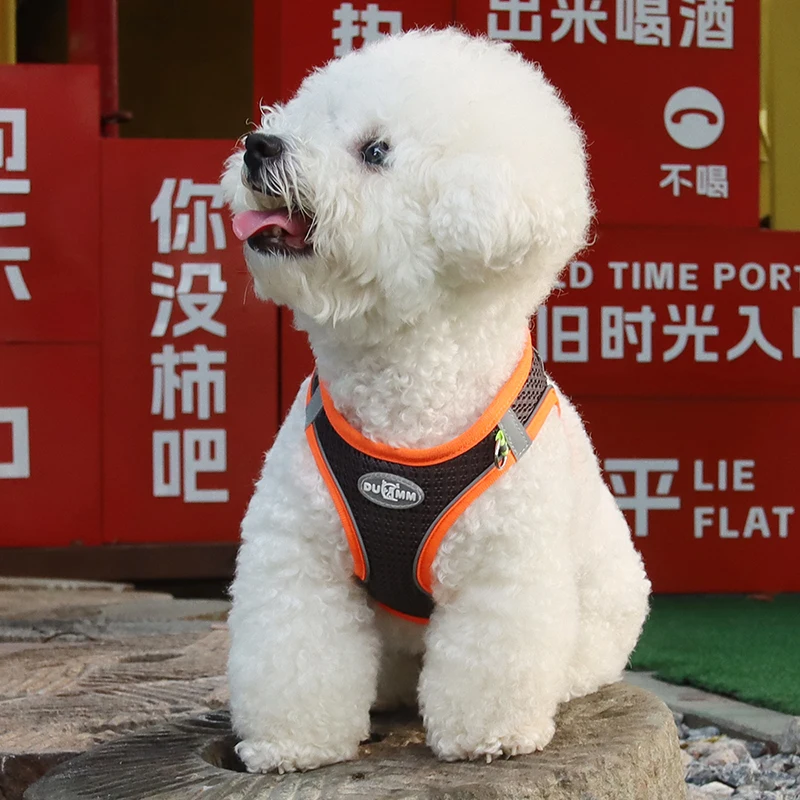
49	445
681	345
682	349
678	312
291	38
190	357
667	91
662	312
49	203
709	488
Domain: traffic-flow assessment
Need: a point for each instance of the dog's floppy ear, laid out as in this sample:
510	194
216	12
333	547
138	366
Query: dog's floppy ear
479	217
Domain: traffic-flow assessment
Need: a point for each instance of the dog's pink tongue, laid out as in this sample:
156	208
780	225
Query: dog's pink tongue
249	223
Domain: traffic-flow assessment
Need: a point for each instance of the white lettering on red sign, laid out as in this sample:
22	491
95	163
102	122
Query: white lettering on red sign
675	177
644	22
202	196
706	24
14	160
570	340
203	452
739	476
369	25
735	476
638	498
515	31
198	307
567	333
20	464
201	381
575	17
710	180
619	327
753	335
189	382
796	331
756	522
683	331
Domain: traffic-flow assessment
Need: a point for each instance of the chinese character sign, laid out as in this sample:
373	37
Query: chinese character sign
709	491
667	91
49	445
49	204
191	355
15	159
310	33
189	375
678	312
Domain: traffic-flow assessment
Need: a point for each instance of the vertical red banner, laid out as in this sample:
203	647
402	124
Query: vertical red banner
49	203
708	487
49	306
667	92
681	347
190	358
292	38
49	445
678	312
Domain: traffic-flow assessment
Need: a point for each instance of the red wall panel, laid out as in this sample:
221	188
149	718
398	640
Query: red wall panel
709	488
668	94
190	357
49	203
678	312
292	38
49	445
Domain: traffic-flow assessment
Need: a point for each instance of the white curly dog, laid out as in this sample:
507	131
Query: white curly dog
413	205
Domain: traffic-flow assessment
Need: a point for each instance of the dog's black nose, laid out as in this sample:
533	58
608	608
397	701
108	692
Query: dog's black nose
259	148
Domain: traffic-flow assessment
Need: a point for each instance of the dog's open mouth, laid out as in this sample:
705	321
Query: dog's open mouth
274	232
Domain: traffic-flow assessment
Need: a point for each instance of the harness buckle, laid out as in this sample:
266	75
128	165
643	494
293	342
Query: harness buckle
501	449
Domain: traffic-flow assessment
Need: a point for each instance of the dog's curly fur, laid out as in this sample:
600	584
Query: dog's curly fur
417	299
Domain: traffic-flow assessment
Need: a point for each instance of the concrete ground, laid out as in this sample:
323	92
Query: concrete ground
82	663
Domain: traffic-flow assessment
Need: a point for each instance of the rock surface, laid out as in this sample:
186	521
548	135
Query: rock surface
790	741
81	664
619	744
720	766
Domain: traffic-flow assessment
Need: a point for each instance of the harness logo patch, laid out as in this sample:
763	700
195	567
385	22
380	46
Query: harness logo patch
390	491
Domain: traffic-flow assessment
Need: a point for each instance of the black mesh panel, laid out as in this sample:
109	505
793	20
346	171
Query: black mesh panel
392	537
532	392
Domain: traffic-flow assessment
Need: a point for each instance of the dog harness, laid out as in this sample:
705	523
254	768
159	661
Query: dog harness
397	504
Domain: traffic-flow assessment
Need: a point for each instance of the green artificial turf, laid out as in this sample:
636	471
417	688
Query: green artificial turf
737	646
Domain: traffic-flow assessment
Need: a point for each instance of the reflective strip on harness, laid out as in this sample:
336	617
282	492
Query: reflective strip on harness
345	515
430	546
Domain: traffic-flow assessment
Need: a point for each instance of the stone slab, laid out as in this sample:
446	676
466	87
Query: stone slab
61	584
82	665
619	744
72	697
48	615
705	708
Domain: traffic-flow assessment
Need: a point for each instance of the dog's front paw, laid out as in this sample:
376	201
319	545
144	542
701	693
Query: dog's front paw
276	757
488	748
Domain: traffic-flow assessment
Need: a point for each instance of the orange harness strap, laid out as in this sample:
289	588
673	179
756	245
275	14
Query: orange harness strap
397	504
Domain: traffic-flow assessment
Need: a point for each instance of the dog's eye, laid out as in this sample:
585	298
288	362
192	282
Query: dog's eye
375	153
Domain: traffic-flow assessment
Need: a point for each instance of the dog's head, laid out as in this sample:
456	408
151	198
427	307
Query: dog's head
421	169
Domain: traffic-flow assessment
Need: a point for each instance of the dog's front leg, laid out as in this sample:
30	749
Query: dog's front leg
495	670
302	670
304	653
502	635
